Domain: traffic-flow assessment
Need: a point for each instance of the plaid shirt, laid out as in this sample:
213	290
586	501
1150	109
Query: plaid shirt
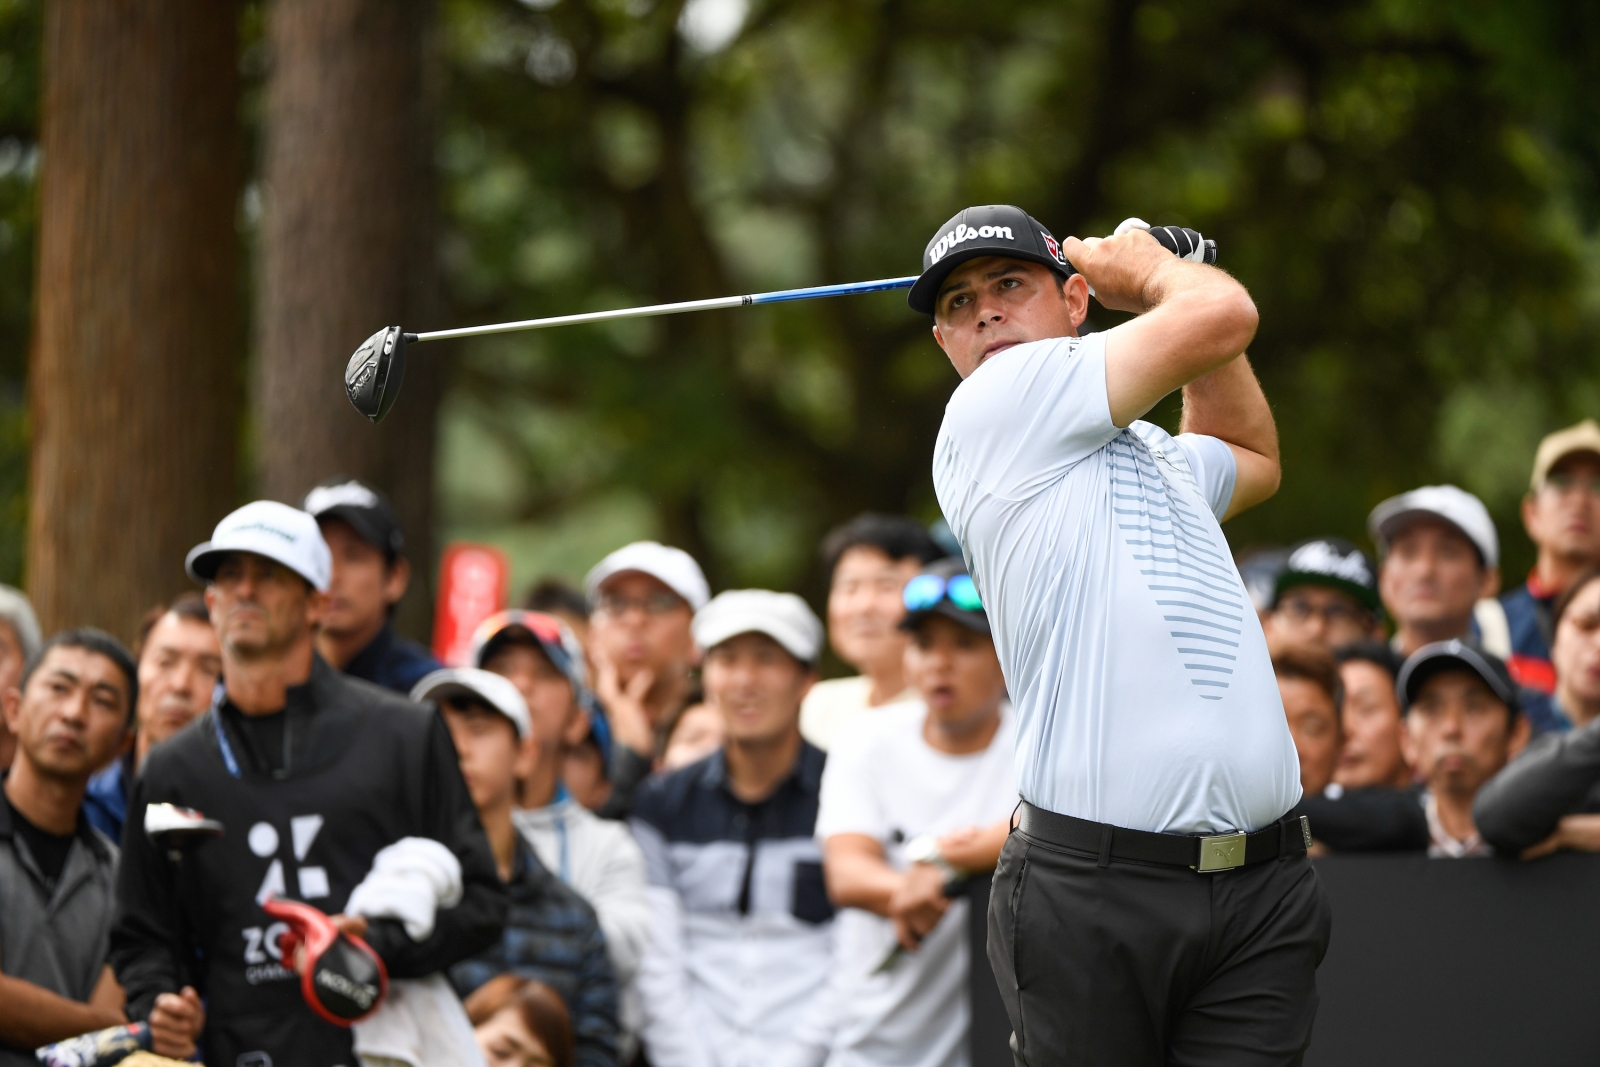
552	936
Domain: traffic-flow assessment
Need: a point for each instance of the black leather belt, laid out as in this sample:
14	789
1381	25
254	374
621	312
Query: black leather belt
1218	852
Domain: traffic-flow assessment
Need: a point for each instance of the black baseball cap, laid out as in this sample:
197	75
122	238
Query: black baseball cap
943	587
1333	562
1454	655
367	511
992	230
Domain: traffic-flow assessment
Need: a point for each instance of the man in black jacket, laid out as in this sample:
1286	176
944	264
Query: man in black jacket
370	574
311	773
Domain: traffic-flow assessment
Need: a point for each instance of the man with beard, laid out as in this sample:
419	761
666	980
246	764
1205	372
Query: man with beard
311	773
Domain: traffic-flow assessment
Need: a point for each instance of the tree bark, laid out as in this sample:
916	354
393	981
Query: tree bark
137	368
347	247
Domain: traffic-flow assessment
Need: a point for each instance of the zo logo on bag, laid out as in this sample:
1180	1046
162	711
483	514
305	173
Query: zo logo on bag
262	958
264	841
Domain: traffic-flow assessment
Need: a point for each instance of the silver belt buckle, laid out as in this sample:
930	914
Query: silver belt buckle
1223	852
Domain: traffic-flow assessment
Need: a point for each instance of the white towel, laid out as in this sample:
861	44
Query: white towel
421	1024
410	880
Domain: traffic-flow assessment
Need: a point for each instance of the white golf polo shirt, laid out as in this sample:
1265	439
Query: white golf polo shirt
1144	694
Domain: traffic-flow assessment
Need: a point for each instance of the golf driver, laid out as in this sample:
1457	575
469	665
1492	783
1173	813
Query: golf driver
373	375
173	828
179	830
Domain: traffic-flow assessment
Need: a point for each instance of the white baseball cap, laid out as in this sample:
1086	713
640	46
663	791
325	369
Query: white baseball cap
1455	506
266	528
783	617
1584	437
673	567
493	689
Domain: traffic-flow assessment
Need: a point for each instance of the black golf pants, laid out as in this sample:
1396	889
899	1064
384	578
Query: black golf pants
1137	965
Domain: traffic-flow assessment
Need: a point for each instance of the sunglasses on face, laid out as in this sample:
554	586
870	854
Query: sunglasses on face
925	591
655	605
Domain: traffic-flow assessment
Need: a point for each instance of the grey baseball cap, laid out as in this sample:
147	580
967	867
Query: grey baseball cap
1454	655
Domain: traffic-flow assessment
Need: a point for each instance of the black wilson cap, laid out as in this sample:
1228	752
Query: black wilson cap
1454	655
993	230
1333	562
364	508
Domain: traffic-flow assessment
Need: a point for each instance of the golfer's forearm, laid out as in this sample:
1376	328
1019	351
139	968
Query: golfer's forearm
1213	313
1200	321
31	1015
1228	404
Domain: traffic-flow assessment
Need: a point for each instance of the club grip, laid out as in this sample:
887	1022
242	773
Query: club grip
1185	243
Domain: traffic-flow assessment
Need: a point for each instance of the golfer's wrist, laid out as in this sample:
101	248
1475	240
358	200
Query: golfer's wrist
1158	284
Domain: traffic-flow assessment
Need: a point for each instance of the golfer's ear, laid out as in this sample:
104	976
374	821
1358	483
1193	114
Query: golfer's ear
938	337
1075	291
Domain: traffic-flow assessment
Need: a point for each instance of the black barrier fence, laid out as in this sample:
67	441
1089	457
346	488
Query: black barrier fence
1466	963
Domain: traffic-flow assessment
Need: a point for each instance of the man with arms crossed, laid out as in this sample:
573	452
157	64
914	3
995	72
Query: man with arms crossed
914	798
1154	906
57	875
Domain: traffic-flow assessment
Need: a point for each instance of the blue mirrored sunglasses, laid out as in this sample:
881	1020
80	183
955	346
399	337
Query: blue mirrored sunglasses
924	592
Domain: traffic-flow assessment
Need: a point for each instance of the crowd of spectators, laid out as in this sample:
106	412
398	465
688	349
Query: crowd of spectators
1465	733
651	833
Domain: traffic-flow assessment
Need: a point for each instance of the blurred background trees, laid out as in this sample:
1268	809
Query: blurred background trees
136	342
1412	193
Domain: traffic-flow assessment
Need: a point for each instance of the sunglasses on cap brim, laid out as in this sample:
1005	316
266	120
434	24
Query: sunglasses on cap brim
545	628
925	591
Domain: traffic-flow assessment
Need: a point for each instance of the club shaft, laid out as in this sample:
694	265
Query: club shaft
651	311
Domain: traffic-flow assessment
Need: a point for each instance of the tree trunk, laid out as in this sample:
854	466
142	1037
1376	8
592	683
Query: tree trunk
347	247
137	369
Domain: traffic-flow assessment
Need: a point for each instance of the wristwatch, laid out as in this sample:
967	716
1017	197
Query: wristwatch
925	849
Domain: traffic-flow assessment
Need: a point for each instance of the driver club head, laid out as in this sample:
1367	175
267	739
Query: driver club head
372	377
173	827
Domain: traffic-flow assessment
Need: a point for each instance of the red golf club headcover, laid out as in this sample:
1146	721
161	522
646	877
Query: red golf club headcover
344	981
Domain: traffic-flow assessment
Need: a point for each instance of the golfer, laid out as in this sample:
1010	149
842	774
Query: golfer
1155	904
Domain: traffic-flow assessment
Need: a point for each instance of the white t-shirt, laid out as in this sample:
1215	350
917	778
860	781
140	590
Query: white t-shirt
1145	696
833	704
884	780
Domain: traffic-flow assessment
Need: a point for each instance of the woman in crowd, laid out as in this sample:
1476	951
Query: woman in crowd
520	1023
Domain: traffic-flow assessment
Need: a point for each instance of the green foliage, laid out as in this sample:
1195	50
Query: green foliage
1411	191
19	163
1408	190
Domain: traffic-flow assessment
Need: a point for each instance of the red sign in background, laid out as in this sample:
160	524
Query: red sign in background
473	580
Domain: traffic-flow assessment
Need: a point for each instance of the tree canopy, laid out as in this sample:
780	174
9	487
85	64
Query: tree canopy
1407	189
1411	190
